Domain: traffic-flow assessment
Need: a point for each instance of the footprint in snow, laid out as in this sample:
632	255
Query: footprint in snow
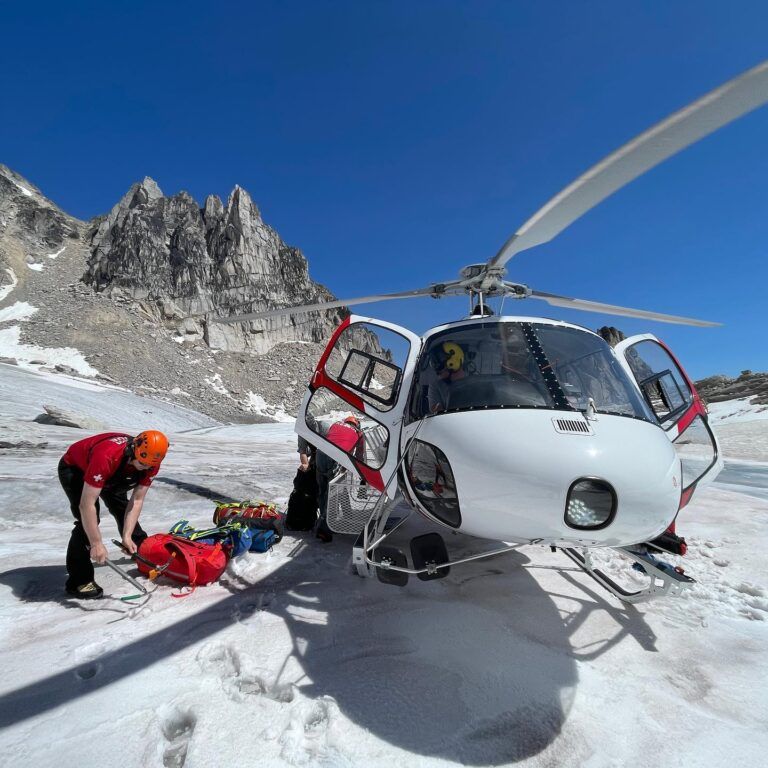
224	661
88	671
177	730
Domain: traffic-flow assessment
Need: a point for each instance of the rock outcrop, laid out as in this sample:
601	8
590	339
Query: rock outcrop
147	263
186	264
715	389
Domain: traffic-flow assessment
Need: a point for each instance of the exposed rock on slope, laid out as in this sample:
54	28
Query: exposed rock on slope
146	264
180	260
715	389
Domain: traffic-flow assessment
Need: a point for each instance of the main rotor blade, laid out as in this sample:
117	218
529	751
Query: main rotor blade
431	290
612	309
712	111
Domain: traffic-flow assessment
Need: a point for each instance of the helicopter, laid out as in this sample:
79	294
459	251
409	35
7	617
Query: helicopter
521	430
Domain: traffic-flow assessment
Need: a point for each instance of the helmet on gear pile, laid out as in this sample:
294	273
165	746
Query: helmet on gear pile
353	420
150	447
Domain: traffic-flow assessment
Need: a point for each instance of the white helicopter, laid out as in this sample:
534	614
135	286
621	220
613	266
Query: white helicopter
522	430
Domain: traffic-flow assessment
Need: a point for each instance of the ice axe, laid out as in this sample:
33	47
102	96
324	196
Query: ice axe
123	575
155	570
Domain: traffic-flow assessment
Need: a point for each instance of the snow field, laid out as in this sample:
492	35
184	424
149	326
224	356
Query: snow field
291	661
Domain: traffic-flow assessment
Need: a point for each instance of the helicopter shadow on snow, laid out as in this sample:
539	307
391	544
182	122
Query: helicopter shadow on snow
477	667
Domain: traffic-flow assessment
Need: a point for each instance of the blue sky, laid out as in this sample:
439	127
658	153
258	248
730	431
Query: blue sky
396	142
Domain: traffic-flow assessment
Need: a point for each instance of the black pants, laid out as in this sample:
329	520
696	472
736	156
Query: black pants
326	469
79	565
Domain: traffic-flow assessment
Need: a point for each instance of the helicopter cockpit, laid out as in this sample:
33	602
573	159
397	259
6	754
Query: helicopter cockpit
507	364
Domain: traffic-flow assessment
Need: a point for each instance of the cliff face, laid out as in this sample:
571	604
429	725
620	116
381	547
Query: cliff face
111	298
186	263
715	389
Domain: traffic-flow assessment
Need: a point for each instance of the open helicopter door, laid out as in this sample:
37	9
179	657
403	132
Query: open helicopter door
681	413
365	372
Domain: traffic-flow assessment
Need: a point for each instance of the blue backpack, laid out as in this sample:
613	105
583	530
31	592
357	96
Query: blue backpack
234	537
262	540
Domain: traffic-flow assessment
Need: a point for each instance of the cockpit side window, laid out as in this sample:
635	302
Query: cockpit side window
587	370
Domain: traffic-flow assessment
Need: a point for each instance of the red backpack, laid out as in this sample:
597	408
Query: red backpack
258	514
189	562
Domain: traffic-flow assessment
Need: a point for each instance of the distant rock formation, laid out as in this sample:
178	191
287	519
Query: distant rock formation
187	263
612	335
715	389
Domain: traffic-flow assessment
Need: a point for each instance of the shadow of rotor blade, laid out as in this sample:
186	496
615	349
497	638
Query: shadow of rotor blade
198	490
67	686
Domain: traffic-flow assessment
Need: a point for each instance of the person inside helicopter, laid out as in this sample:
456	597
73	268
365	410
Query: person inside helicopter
447	365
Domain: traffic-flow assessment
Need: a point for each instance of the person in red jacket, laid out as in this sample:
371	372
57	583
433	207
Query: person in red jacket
106	467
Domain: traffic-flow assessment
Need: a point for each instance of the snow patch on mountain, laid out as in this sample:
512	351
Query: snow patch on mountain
21	310
733	411
6	289
32	355
257	404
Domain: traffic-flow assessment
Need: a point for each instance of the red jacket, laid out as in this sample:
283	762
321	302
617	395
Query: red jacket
347	438
100	458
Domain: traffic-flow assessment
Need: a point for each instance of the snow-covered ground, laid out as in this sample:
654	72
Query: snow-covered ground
290	660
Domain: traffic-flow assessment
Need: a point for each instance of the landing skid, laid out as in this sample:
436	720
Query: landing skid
664	579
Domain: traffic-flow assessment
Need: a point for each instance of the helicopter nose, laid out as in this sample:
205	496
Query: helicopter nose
518	474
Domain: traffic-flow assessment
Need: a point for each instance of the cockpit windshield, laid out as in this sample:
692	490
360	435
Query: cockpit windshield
521	365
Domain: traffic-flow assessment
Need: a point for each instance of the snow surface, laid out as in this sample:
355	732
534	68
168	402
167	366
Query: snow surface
35	267
24	190
25	354
257	404
20	310
6	289
58	253
292	661
736	411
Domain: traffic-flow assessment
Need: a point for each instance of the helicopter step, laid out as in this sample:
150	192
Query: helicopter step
665	580
428	552
387	557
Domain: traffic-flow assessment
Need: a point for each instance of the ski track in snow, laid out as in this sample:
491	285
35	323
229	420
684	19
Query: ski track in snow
291	661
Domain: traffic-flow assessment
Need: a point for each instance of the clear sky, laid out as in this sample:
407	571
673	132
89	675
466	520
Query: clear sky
395	142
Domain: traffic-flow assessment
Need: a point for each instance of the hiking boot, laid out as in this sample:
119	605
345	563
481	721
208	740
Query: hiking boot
89	591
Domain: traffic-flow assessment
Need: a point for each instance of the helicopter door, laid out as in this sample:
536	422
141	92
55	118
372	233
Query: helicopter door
681	413
365	372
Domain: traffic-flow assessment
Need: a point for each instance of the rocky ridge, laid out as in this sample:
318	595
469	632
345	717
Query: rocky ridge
188	264
65	283
121	290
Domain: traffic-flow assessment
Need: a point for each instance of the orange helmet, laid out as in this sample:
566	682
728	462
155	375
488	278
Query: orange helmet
352	420
150	447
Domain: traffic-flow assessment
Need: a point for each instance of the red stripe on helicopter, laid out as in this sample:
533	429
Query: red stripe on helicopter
698	408
331	344
685	496
371	476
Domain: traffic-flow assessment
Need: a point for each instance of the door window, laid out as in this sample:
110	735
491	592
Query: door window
369	360
660	380
347	428
696	450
